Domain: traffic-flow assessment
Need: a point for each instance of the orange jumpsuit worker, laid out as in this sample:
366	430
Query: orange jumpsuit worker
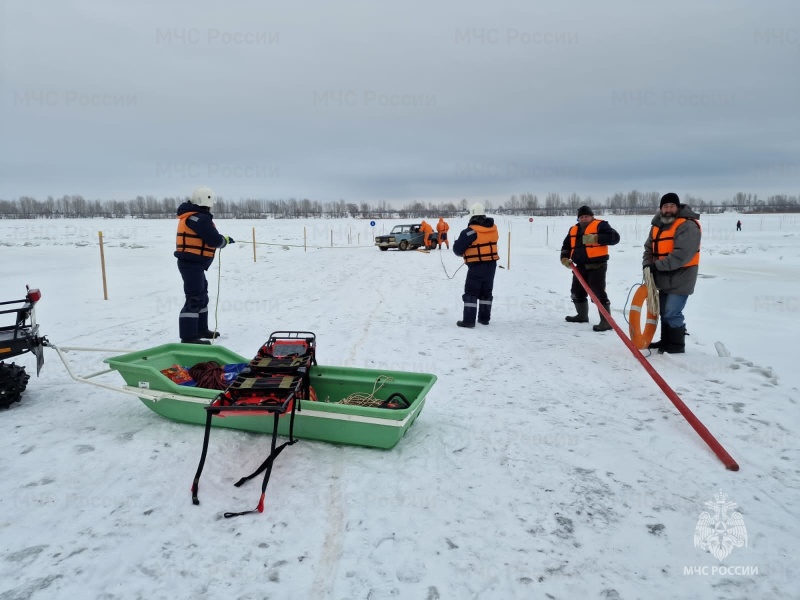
426	228
442	228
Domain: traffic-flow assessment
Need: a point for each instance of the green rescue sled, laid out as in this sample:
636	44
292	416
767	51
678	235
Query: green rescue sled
324	419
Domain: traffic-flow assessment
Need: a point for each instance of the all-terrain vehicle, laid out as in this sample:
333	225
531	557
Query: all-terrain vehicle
405	237
20	338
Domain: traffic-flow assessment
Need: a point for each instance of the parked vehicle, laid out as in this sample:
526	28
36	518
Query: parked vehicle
406	237
19	338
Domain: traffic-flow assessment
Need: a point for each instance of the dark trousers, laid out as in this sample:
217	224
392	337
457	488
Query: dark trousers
193	319
478	291
595	276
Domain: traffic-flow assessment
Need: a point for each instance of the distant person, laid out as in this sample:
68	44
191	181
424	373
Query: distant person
478	245
672	253
427	230
442	228
586	245
738	225
196	243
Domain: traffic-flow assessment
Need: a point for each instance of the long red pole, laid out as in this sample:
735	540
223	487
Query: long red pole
701	429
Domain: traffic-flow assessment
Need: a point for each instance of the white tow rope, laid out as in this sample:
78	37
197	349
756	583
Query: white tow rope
652	292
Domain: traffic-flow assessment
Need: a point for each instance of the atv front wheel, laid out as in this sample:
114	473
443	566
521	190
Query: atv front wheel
13	381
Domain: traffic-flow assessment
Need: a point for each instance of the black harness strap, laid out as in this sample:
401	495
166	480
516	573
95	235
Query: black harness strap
267	464
269	384
196	482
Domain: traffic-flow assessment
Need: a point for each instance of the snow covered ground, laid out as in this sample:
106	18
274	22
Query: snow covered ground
545	464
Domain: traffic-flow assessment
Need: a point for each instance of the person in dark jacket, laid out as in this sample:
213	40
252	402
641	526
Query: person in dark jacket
196	244
672	254
586	245
478	245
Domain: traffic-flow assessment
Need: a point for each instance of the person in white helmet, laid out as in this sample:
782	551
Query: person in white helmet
195	246
478	245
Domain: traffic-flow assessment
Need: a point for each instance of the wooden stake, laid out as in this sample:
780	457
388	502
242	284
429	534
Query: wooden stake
508	260
103	266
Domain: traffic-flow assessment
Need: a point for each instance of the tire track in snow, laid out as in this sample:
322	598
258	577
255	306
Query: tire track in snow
365	330
332	546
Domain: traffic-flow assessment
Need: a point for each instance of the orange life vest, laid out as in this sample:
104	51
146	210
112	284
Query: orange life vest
188	241
664	241
592	250
442	226
484	248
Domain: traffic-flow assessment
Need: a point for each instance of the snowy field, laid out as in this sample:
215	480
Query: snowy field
545	464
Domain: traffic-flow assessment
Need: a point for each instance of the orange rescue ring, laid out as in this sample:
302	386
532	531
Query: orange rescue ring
641	339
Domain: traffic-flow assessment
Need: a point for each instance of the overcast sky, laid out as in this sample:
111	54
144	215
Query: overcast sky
399	101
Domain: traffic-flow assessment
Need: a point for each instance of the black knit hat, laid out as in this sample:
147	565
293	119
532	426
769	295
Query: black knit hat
670	198
585	210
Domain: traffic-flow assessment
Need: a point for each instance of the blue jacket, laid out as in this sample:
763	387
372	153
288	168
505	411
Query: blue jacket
468	235
203	225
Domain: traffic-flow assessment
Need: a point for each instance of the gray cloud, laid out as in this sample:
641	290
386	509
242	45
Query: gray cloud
369	101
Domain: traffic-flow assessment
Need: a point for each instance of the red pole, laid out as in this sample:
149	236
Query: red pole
704	433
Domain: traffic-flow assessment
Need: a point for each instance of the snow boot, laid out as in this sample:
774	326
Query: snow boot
603	325
663	341
582	306
675	342
470	311
210	335
485	310
195	341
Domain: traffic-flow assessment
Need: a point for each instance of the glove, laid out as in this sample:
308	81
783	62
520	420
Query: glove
566	262
589	238
650	267
229	239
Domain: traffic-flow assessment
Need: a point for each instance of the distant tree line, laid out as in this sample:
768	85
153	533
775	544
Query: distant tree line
636	202
553	204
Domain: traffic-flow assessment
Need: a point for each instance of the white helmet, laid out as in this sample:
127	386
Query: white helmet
203	196
476	210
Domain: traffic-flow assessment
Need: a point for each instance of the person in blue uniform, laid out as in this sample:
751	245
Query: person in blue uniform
195	246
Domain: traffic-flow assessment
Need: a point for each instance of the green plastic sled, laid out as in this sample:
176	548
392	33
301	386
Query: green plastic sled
324	420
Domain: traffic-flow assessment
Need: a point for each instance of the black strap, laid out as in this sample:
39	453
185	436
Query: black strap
196	482
404	403
275	450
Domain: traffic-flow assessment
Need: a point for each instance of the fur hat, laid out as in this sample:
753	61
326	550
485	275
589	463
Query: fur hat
585	210
670	198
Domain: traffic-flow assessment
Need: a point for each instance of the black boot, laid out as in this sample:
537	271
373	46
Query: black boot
210	335
582	306
676	341
470	311
485	310
664	336
603	325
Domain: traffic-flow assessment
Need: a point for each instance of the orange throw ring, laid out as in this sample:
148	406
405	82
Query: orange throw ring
641	339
